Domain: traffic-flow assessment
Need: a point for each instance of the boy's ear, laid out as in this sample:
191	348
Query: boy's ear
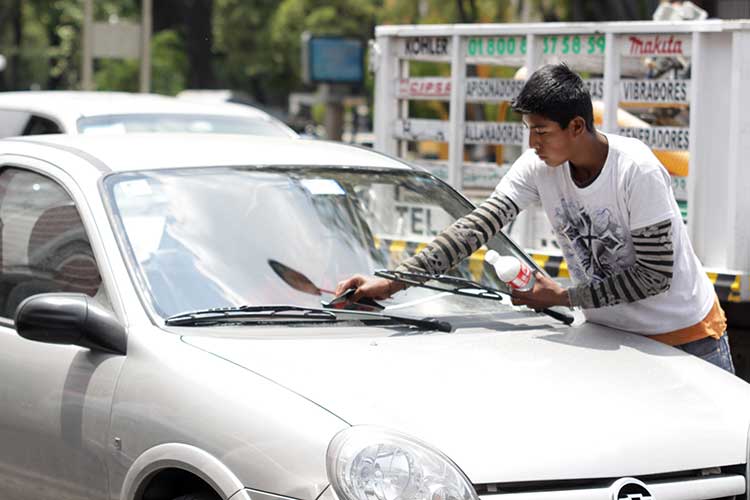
577	126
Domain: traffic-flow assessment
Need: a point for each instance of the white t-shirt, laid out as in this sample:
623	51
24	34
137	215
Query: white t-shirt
593	226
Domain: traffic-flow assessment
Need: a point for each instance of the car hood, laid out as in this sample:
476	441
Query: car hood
516	400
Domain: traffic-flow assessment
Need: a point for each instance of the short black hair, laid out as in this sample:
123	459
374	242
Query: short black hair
557	93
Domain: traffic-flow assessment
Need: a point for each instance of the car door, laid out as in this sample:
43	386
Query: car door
55	399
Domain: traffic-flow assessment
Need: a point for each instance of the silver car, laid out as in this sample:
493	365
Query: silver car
162	337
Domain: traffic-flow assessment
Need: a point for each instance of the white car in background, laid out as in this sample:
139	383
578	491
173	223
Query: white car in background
79	112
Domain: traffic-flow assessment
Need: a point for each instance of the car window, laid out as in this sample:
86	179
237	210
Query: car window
38	125
12	122
171	122
43	243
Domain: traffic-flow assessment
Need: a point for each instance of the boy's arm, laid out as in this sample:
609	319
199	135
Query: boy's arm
516	191
464	236
651	274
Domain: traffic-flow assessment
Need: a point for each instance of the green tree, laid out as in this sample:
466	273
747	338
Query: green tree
354	18
242	50
193	21
11	32
169	67
46	39
40	43
445	12
43	41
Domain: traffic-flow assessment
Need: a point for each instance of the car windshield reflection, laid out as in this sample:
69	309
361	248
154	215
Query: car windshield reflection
214	237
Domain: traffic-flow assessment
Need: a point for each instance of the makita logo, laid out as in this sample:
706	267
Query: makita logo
655	46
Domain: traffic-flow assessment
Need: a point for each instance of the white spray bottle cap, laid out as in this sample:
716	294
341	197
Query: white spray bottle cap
491	256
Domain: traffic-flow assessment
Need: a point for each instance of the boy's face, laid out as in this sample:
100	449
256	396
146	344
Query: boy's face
552	144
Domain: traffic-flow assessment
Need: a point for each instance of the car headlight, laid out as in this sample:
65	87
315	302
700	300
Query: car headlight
371	463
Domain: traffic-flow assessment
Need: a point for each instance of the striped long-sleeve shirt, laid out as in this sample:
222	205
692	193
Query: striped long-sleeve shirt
651	273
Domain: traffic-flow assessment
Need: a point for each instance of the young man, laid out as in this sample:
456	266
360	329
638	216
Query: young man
611	205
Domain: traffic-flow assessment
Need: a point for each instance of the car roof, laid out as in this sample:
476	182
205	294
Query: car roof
119	153
72	104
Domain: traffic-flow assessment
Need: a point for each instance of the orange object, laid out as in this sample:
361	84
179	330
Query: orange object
676	162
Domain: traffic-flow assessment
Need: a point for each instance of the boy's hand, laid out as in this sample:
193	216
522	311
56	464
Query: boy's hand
546	293
368	287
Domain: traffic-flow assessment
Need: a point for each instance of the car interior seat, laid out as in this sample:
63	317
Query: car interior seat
60	258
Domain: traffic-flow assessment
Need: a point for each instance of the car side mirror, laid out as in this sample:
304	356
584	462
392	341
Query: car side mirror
70	318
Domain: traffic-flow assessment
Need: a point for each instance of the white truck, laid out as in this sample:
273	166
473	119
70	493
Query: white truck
681	87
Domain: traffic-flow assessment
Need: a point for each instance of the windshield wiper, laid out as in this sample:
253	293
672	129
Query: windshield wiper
245	313
213	316
423	323
460	286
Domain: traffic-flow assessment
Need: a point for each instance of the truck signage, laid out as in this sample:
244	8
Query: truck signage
573	44
493	133
421	129
655	91
477	175
424	88
663	138
492	89
500	46
425	48
656	45
438	48
421	220
595	87
497	46
477	89
679	187
509	49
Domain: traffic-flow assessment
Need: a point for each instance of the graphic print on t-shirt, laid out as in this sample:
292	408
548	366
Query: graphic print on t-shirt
595	244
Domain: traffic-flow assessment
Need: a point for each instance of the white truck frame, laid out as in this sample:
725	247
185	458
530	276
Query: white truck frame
717	187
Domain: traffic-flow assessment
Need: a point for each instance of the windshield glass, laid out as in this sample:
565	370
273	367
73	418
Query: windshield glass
162	122
219	237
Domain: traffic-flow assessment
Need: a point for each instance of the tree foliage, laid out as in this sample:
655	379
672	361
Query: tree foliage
169	67
249	45
353	18
244	59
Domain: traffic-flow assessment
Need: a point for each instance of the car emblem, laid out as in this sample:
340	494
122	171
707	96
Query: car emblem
629	488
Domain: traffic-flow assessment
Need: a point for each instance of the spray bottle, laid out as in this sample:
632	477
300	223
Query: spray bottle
517	274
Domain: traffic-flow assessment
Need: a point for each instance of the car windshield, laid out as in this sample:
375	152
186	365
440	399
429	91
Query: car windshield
227	236
173	122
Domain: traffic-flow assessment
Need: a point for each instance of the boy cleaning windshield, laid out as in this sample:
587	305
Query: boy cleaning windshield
611	206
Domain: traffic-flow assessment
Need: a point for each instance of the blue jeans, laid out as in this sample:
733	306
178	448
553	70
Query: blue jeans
712	350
